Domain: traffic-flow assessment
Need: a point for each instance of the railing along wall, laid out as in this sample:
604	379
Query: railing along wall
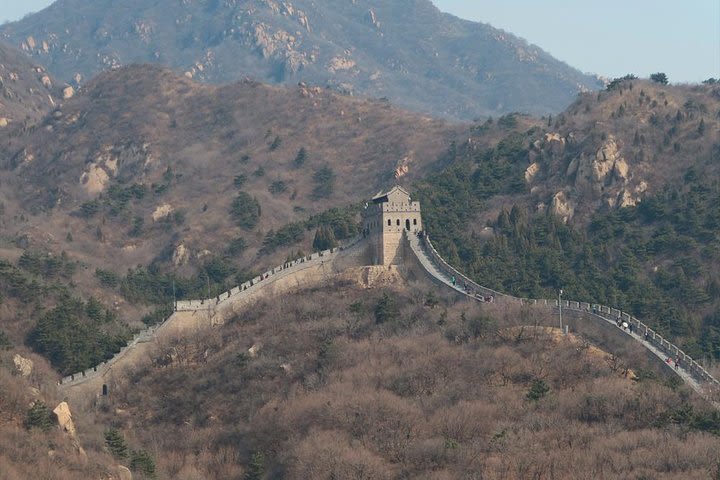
246	288
610	314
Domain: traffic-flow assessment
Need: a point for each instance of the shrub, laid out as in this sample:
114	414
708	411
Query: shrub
278	187
324	239
277	141
89	209
300	158
256	469
538	390
290	234
116	443
324	182
39	416
107	278
141	461
660	78
5	343
386	309
246	211
236	246
137	227
239	180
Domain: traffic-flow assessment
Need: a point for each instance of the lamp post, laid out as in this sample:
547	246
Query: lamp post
560	308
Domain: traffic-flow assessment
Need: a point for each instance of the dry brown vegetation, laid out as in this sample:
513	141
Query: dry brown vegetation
186	143
33	454
433	393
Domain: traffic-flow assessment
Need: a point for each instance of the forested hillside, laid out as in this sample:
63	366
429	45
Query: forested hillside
656	255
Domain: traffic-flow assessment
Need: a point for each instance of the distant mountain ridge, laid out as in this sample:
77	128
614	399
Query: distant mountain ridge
405	50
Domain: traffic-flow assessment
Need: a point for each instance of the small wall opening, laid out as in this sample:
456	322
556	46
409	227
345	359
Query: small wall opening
397	222
407	225
415	221
104	390
389	223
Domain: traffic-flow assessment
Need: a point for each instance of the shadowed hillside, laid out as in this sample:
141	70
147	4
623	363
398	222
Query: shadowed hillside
406	50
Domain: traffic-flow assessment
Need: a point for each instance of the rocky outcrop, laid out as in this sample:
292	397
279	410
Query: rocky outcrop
341	63
554	144
595	172
562	207
68	93
124	473
64	417
163	211
371	19
23	365
531	172
181	255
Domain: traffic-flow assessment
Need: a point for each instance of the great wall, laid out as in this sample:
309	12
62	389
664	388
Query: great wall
393	235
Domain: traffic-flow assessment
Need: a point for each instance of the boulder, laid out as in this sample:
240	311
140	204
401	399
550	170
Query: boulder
162	212
4	122
124	473
62	411
68	93
23	365
181	255
531	172
554	144
254	350
622	170
562	207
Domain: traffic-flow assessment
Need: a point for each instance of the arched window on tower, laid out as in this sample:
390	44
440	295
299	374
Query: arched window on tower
389	223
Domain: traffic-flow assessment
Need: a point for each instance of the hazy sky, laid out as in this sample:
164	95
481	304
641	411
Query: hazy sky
608	37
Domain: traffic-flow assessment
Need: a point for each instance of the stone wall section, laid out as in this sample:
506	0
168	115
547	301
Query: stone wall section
603	323
192	315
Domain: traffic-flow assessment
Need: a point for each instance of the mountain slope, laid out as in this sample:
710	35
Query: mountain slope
155	161
28	92
614	201
405	50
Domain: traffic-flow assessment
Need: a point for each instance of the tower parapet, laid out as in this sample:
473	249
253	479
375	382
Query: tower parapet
385	219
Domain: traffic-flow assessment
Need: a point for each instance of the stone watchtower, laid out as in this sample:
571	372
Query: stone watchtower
384	221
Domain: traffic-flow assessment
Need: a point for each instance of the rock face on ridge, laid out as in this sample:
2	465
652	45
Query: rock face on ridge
404	50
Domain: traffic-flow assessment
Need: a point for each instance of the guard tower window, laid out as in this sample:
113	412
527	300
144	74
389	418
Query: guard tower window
389	223
407	225
414	221
397	222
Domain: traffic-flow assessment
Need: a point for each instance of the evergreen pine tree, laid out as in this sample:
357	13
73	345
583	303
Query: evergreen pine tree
116	443
141	461
324	239
256	469
40	416
386	309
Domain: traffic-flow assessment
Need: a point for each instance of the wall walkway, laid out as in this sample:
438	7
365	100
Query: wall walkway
692	373
214	311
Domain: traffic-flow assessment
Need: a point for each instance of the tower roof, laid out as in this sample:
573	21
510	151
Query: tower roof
396	190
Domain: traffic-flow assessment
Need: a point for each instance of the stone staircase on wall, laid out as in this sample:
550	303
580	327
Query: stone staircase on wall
689	370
